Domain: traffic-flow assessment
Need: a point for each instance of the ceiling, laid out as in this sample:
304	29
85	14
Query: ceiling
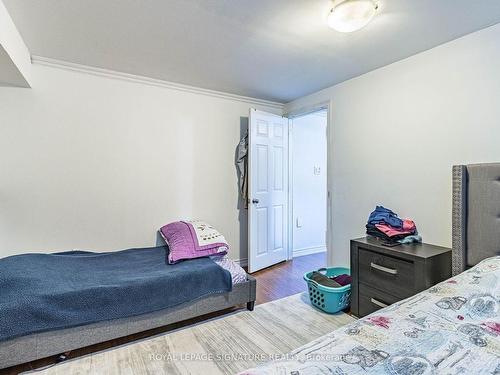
269	49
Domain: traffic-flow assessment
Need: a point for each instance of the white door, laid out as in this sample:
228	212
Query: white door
268	190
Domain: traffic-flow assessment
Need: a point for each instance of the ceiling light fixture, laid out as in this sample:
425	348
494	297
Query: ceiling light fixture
351	15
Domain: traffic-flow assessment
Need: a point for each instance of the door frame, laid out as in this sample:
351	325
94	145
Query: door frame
325	105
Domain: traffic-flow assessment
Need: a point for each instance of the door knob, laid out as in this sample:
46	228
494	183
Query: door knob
255	201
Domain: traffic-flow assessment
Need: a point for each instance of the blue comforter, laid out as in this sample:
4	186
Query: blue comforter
42	292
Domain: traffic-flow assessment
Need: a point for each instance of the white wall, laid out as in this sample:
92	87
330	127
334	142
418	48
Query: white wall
397	131
89	162
309	188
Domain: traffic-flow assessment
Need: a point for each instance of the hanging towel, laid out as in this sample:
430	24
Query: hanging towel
242	166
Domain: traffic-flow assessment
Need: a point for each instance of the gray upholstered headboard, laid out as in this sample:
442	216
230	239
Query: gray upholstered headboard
476	214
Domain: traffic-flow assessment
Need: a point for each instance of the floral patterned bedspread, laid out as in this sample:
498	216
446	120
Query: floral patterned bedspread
451	328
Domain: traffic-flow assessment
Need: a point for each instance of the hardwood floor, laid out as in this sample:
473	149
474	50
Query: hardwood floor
285	279
279	281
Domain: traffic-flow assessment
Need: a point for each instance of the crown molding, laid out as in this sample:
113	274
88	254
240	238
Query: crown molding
46	61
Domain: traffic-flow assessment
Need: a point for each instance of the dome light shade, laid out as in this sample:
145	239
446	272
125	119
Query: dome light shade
351	15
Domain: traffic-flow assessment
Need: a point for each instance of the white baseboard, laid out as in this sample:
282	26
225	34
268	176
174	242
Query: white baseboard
308	251
242	262
296	253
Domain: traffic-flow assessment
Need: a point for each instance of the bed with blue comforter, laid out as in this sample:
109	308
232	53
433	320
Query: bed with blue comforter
46	292
451	328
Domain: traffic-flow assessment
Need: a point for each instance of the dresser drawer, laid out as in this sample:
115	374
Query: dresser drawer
388	274
371	299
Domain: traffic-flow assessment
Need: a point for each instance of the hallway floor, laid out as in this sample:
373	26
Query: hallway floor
286	278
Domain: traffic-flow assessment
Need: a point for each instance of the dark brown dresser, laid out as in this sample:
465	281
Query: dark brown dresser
383	275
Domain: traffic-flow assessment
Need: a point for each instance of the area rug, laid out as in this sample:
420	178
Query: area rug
225	345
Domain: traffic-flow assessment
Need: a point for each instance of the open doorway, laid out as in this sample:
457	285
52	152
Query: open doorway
308	184
287	186
287	199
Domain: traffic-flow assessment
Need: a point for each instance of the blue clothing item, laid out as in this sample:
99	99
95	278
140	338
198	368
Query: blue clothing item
416	238
44	292
384	215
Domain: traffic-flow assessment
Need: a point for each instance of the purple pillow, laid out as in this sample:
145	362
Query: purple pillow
192	239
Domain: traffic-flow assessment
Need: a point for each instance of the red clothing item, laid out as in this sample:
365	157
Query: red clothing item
408	228
409	225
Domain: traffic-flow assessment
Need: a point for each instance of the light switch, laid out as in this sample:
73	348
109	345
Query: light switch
298	223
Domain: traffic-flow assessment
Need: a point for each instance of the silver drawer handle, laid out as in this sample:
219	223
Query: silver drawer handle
378	303
392	271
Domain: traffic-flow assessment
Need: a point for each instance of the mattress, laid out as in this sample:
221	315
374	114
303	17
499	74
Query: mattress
451	328
238	274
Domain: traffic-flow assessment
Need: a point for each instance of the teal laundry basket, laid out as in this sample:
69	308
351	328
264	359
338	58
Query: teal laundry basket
330	300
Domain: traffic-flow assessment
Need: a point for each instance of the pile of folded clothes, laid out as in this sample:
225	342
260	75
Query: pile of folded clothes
386	225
